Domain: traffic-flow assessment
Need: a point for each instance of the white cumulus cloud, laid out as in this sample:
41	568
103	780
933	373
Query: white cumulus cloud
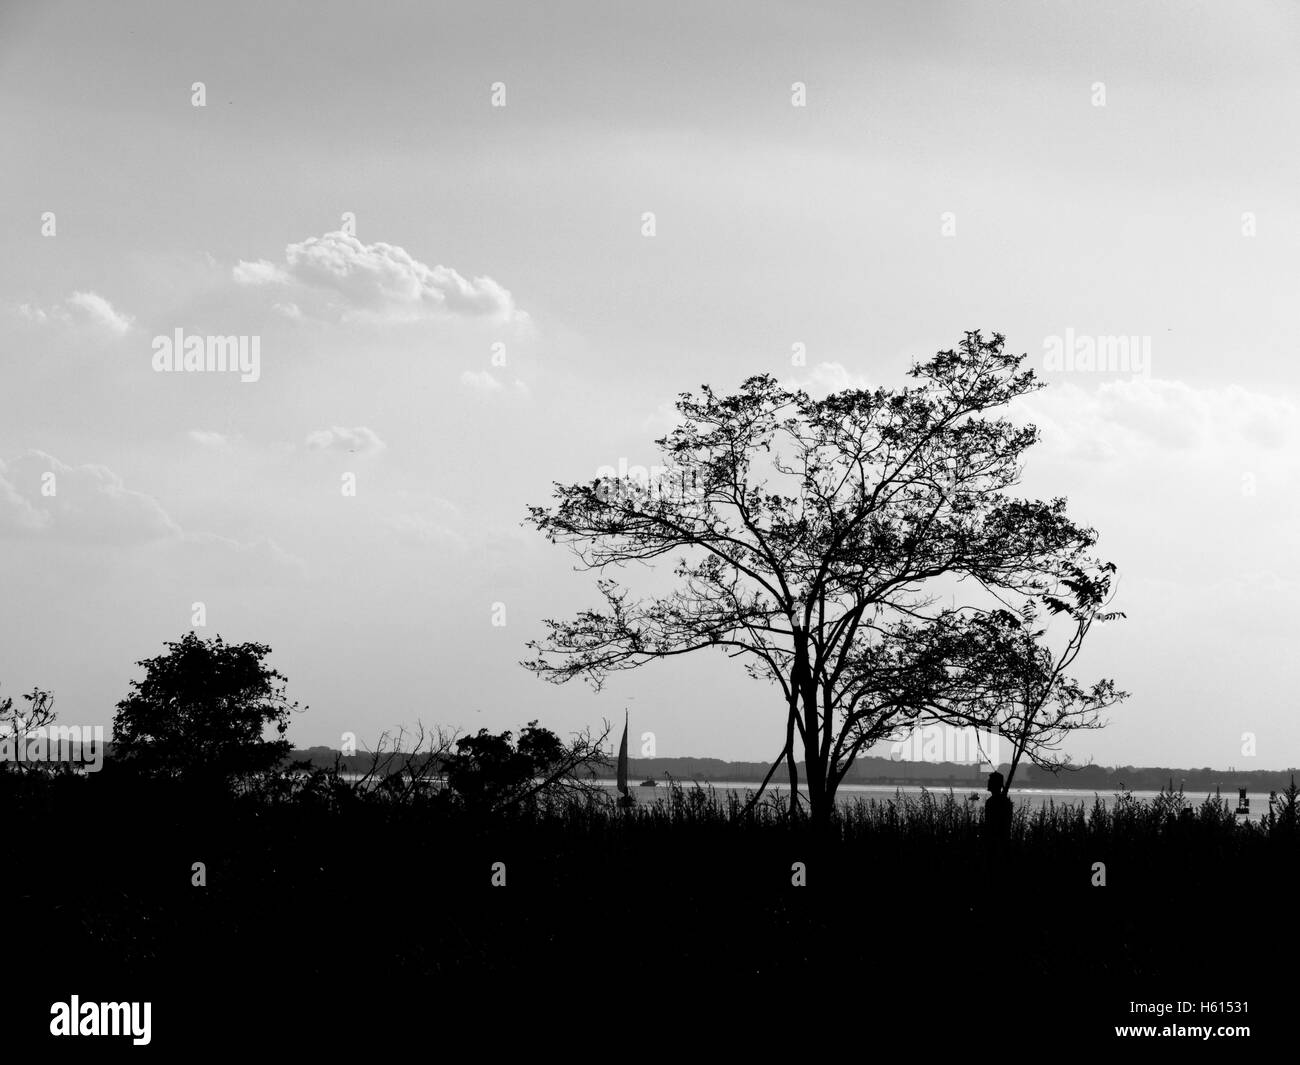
1128	417
98	310
88	310
378	282
261	272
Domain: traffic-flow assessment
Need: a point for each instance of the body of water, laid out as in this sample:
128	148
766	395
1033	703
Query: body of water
1033	798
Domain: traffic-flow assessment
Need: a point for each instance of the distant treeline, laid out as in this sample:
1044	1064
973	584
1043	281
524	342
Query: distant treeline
873	770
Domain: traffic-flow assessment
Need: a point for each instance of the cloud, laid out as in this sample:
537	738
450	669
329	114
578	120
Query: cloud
378	282
427	520
44	499
35	314
233	563
418	530
205	438
261	272
41	496
338	438
825	378
485	384
1133	417
88	310
100	311
480	382
664	419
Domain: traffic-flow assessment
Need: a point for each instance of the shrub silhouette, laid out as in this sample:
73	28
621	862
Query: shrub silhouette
202	711
493	771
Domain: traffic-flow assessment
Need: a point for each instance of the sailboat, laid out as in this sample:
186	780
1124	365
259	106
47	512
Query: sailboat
625	798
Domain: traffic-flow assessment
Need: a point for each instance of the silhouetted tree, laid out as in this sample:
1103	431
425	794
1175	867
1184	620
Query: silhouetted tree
406	769
202	712
494	771
1006	678
811	535
18	722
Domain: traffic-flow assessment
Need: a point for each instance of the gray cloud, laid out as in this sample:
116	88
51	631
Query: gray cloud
41	496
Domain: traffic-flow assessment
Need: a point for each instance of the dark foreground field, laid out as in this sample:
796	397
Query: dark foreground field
323	905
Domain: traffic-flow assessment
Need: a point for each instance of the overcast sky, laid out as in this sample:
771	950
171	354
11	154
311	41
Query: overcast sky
1026	169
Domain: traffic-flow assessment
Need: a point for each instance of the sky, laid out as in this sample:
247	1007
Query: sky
432	218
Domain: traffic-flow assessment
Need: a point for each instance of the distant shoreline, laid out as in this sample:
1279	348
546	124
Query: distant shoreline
874	771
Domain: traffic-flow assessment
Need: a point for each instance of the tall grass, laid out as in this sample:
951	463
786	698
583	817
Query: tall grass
694	875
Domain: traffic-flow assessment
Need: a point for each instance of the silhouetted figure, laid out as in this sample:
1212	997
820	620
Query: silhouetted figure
997	812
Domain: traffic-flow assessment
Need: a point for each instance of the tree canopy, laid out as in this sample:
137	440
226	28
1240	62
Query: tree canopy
495	771
813	540
203	711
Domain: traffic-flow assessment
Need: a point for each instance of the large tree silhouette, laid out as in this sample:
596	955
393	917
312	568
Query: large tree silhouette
202	712
812	537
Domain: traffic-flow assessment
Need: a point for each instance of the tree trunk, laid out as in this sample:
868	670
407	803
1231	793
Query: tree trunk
792	764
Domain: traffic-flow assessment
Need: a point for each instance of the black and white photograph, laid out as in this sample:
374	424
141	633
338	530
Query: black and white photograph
714	530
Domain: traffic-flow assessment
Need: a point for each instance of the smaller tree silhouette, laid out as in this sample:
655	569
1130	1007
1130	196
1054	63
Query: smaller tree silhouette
1006	679
492	771
18	723
202	712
